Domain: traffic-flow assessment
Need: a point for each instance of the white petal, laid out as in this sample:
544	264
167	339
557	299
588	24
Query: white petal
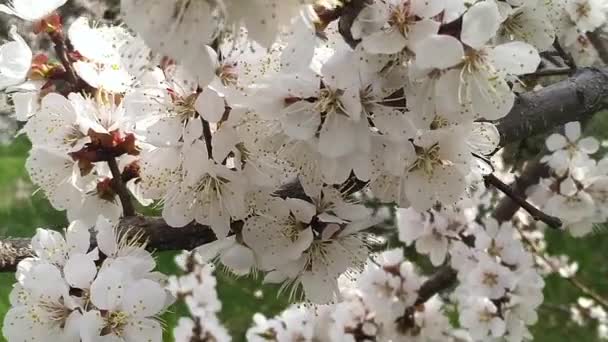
427	8
79	271
480	23
384	42
144	298
573	131
589	145
337	137
484	138
515	58
439	51
210	105
148	330
568	187
556	142
302	210
239	259
107	290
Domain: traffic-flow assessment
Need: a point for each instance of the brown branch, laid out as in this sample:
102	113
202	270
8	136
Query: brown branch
442	279
532	173
520	200
120	188
550	72
13	250
564	55
573	99
154	230
349	13
61	50
207	136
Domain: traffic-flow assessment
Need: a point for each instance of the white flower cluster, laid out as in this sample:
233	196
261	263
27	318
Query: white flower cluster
498	293
197	289
259	118
500	288
576	190
379	306
70	291
587	310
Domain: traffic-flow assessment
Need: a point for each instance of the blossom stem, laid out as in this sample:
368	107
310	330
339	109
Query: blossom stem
61	50
564	55
442	279
537	214
551	72
207	135
119	186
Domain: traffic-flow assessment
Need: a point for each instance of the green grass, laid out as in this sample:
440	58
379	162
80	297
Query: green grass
21	216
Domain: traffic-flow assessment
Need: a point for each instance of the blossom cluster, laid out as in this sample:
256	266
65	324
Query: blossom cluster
379	306
576	188
69	291
586	310
196	288
259	119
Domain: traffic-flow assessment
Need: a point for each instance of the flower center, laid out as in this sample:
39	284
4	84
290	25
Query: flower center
438	122
329	101
474	60
486	316
227	74
583	9
183	107
115	323
427	159
494	249
490	279
401	19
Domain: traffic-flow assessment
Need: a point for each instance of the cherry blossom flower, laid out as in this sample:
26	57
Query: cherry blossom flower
15	60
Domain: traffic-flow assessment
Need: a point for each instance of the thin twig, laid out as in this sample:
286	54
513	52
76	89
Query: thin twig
61	50
564	55
538	215
550	72
121	189
551	56
586	290
208	137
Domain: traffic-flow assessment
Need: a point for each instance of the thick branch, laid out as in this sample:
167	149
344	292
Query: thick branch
573	99
442	279
159	237
13	250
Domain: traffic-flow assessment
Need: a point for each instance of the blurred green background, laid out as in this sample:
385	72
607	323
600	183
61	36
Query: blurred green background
22	211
